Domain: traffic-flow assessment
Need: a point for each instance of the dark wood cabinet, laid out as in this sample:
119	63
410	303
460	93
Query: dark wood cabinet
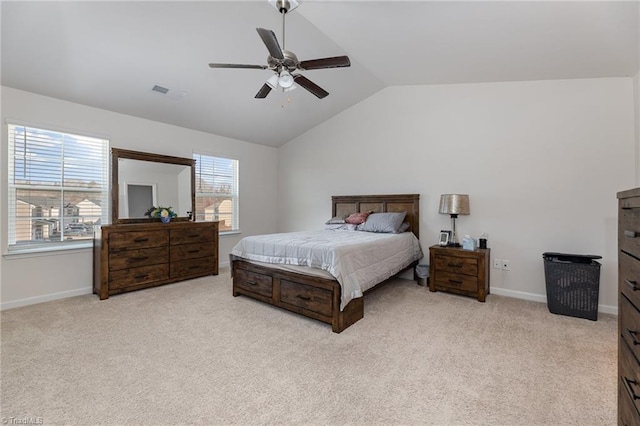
459	271
139	255
629	307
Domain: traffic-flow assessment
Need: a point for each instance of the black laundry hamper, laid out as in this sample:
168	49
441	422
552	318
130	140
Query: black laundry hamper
573	284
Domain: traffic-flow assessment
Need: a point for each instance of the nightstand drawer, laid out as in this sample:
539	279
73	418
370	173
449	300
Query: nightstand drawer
457	265
459	271
457	281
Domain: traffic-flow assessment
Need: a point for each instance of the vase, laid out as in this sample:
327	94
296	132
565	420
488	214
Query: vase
166	219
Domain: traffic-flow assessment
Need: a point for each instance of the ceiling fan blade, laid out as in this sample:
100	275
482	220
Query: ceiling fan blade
263	92
256	67
335	62
269	39
310	86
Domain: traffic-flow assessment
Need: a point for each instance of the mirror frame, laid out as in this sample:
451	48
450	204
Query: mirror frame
117	153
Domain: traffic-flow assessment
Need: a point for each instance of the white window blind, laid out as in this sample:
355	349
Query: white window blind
58	187
217	191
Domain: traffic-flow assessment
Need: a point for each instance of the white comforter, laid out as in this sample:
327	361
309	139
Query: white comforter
358	260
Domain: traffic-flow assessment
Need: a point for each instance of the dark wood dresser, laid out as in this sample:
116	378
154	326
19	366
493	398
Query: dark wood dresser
459	271
629	307
133	256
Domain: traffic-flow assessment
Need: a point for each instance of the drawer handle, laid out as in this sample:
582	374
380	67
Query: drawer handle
252	283
629	383
194	267
303	297
455	265
140	240
141	276
455	281
633	335
139	257
193	236
630	234
632	284
194	251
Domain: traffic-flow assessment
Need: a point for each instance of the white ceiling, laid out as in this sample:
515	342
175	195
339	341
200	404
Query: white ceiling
110	54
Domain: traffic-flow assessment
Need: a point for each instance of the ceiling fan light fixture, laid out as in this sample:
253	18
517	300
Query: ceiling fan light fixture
288	89
286	79
273	81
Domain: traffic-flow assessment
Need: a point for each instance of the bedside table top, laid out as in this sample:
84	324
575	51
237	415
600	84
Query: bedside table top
450	248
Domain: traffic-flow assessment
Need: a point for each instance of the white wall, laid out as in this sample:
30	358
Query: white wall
29	279
542	162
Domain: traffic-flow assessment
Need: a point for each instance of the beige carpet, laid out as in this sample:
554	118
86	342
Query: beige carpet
190	353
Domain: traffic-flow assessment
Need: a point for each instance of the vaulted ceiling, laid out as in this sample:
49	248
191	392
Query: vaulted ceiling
109	55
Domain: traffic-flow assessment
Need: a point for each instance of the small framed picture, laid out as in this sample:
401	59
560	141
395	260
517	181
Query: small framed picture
444	238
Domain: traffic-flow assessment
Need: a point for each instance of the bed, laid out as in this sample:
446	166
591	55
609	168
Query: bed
313	292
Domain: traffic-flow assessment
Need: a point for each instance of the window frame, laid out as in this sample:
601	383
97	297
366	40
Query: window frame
201	215
57	213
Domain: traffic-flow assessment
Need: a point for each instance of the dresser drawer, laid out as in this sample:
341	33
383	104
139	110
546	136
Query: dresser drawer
457	265
254	282
134	258
629	230
119	241
311	298
191	251
630	325
193	267
629	277
135	276
199	234
627	413
456	281
628	372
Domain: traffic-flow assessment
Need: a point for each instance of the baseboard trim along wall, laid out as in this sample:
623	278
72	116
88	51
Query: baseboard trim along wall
45	298
605	309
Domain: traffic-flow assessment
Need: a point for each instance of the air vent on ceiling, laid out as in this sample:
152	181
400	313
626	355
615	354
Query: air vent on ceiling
160	89
176	95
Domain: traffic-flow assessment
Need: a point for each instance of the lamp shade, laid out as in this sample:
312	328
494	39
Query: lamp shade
286	79
454	204
273	81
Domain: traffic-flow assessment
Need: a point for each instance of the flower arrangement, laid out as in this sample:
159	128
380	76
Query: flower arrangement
161	212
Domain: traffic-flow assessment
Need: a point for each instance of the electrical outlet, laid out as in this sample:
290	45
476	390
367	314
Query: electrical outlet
497	263
506	265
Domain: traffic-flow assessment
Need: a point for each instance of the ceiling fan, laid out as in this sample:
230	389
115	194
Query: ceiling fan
284	63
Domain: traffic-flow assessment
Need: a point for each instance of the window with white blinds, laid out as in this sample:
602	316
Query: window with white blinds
58	188
217	191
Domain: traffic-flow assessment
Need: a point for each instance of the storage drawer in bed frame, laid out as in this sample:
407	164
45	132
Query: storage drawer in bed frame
313	297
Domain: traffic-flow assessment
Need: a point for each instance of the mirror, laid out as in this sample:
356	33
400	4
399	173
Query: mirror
140	180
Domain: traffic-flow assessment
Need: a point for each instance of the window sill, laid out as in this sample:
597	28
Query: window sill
46	251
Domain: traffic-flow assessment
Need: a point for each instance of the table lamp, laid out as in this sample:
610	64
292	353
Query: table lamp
454	204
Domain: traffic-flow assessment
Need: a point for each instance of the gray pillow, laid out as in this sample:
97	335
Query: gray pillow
335	220
383	222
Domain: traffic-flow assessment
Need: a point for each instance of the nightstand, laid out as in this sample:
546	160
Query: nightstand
459	271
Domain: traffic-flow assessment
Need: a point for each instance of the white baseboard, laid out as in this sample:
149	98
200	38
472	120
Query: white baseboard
605	309
45	298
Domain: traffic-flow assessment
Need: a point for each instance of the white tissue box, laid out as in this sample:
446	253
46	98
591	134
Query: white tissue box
469	244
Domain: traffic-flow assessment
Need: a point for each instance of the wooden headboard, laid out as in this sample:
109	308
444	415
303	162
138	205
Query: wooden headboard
343	205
